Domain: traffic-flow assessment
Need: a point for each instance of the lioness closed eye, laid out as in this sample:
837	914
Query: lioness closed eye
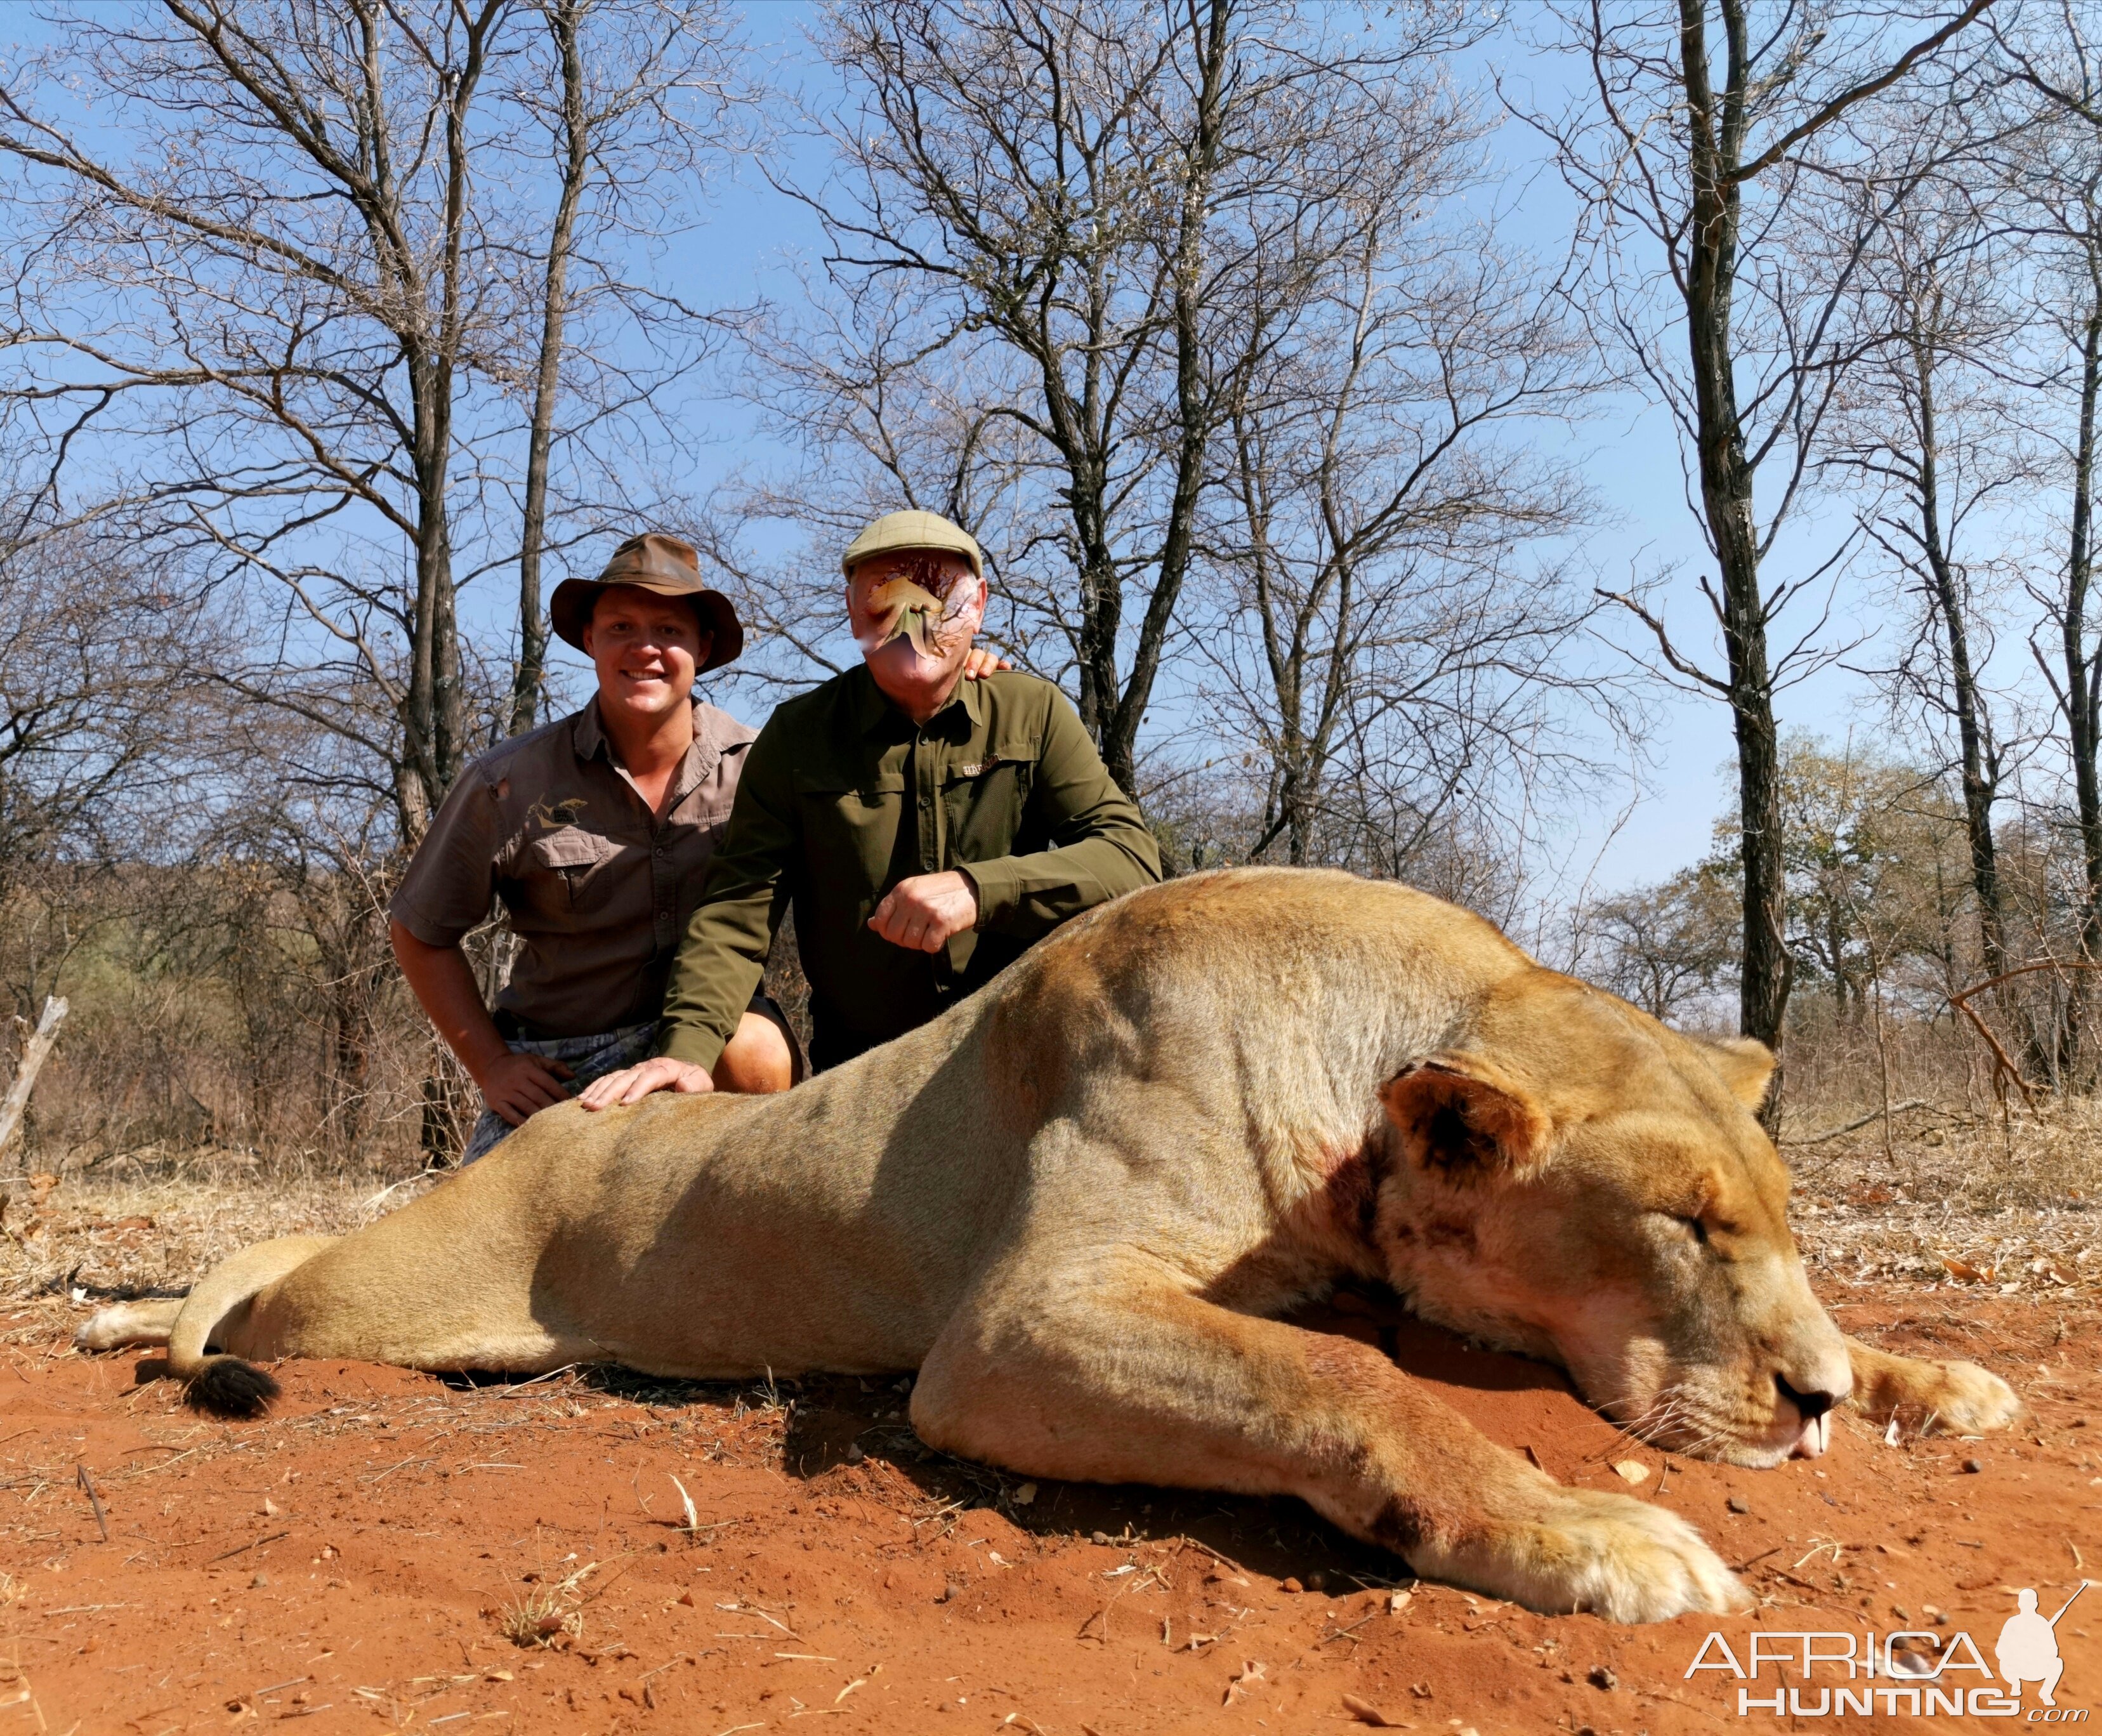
1076	1201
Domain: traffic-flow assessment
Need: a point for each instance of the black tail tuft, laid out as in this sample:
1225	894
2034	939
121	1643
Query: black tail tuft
233	1388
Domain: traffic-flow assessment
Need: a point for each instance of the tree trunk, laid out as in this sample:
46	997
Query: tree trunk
531	671
1980	767
2083	715
1716	142
1194	410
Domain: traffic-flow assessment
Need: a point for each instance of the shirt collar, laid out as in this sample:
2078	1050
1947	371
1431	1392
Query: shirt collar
872	707
590	741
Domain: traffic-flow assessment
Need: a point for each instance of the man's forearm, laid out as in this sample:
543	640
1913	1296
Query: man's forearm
444	984
722	962
1028	896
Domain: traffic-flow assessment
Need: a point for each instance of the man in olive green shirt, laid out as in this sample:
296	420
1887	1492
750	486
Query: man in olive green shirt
925	830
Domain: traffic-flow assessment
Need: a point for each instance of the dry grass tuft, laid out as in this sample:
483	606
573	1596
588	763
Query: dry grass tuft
541	1618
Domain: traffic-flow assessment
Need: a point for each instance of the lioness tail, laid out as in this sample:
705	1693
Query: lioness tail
219	1307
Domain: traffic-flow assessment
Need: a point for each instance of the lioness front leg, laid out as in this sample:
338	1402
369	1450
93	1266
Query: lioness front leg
1957	1398
1157	1385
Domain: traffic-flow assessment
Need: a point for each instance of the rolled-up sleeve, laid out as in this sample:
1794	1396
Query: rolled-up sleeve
1100	850
723	956
451	881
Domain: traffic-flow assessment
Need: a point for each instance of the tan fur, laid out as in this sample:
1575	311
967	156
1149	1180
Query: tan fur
1075	1202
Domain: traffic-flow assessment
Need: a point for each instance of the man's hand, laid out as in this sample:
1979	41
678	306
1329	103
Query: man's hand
515	1085
926	912
631	1085
982	662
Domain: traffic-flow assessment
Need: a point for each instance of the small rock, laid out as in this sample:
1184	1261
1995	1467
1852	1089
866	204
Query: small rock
1974	1466
1025	1495
1317	1582
1585	1730
269	1507
1901	1612
687	1599
1599	1676
951	1591
1098	1537
259	1582
1738	1504
1292	1586
855	1453
1941	1617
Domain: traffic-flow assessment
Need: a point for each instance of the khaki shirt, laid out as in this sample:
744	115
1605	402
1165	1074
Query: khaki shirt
843	796
598	890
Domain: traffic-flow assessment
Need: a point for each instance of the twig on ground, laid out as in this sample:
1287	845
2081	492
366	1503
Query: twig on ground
94	1500
252	1543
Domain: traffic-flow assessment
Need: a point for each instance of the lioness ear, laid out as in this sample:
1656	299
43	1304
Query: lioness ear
1746	1065
1461	1115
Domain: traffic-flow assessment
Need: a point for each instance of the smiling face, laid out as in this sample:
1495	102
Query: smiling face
1579	1183
646	649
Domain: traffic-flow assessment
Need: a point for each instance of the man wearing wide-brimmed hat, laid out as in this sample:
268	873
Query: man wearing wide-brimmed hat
596	832
925	827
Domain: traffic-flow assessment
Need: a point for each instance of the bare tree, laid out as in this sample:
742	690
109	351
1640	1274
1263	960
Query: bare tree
279	282
100	671
641	102
1043	217
1705	157
2055	171
1664	947
1375	620
1930	423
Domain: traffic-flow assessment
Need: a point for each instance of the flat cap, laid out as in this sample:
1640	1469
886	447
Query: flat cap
895	531
666	565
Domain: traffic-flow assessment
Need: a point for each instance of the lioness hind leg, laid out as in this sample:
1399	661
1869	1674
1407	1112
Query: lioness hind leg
1139	1382
1957	1398
129	1323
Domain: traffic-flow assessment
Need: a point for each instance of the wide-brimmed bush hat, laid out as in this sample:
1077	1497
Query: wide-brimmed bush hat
662	564
897	531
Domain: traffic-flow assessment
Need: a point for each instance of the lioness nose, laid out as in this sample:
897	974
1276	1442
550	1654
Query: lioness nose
1813	1405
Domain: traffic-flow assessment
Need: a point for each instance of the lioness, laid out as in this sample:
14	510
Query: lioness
1073	1201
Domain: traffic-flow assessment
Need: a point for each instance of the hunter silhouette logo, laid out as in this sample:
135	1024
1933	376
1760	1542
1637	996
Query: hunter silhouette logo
2028	1650
1922	1673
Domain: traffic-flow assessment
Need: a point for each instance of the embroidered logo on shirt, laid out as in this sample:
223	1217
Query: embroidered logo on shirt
565	813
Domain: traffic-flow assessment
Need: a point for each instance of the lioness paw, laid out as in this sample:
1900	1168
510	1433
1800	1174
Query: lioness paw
1934	1397
1955	1398
1608	1554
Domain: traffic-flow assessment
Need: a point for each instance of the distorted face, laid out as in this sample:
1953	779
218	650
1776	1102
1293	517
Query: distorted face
1579	1183
646	649
913	613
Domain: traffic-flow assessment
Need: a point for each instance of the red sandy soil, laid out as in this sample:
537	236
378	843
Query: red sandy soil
353	1559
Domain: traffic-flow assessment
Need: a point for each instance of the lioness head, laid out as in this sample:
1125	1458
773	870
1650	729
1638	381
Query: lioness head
1575	1181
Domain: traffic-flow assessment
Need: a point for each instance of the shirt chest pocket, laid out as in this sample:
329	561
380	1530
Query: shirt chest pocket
856	822
985	802
572	872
